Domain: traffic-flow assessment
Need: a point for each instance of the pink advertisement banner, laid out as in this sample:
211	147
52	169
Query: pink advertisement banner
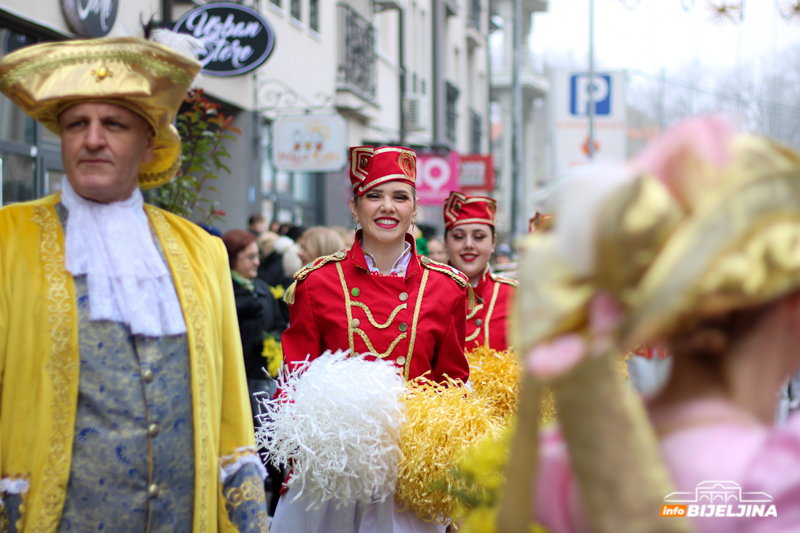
437	176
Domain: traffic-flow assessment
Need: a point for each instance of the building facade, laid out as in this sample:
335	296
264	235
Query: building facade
408	72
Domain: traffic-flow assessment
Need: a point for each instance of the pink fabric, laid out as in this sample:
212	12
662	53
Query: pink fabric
715	442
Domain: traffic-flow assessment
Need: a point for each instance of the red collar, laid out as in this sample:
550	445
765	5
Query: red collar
356	254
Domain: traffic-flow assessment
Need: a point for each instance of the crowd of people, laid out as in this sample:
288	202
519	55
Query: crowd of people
136	348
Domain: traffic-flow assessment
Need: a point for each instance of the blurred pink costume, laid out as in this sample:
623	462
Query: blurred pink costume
706	440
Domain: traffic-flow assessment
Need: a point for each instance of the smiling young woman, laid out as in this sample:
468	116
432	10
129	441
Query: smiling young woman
382	299
469	239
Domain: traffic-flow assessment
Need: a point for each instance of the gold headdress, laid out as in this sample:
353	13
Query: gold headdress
145	77
675	252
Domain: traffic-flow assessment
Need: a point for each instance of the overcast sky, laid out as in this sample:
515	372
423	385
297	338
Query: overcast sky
660	33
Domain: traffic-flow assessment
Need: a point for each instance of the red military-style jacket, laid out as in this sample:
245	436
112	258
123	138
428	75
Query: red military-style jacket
417	321
488	320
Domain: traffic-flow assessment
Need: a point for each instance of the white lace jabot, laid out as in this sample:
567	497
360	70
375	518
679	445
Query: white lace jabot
127	279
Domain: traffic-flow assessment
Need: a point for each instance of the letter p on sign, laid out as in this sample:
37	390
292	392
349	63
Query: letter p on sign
580	92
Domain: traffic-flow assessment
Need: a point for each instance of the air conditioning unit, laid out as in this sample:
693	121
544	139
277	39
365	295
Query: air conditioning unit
416	113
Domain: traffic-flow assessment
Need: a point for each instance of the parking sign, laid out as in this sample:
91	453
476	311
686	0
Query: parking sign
580	92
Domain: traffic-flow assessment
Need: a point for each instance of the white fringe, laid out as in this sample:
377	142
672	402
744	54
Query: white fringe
338	421
17	485
233	468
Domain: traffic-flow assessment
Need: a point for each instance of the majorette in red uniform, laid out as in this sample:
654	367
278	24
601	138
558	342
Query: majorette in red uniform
415	317
487	321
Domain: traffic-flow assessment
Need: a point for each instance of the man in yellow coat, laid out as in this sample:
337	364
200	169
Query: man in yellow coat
123	401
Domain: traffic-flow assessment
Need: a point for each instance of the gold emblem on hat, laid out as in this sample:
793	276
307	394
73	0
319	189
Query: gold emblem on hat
102	73
408	165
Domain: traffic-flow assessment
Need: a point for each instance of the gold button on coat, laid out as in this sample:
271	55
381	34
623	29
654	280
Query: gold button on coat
401	360
403	326
478	322
148	376
355	322
355	291
153	490
403	296
152	430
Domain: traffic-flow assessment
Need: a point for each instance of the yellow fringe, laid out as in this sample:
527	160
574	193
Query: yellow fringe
443	420
288	296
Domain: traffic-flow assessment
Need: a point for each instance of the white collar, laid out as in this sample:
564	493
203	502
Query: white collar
400	266
127	279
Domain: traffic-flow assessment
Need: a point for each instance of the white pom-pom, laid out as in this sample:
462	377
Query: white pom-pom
339	423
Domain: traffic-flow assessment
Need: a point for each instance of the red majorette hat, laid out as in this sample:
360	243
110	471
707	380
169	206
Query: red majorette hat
461	209
370	167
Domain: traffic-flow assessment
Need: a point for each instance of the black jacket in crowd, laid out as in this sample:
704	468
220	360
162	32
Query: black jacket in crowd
259	313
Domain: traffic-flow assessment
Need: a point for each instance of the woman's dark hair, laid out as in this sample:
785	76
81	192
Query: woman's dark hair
235	241
711	338
492	228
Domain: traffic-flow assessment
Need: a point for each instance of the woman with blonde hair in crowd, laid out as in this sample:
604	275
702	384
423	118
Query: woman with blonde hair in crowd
318	242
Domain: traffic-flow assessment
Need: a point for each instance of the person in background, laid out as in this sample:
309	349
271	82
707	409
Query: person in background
275	227
283	228
347	235
317	242
502	256
436	250
261	324
256	225
469	239
294	232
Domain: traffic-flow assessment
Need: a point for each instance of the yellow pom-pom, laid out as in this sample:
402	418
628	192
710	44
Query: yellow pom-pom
277	291
442	421
496	376
273	353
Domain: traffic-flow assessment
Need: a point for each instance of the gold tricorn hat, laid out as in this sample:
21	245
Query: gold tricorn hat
674	253
143	76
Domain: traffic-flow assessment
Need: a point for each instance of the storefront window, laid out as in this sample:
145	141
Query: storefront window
18	177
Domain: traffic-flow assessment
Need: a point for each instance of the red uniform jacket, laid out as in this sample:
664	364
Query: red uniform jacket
487	322
417	321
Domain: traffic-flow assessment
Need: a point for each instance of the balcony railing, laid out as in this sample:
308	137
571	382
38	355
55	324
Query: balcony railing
474	15
356	53
476	132
452	116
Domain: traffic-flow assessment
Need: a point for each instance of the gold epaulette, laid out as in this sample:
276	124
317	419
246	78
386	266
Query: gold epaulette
303	273
454	273
507	281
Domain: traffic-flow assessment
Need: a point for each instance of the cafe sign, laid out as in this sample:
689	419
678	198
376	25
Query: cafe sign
309	143
90	18
237	38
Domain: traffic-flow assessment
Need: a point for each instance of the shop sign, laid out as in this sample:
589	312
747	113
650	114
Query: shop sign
90	18
237	38
437	176
477	172
309	143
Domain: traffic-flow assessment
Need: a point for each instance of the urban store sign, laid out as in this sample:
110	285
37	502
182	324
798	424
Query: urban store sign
90	18
237	39
309	143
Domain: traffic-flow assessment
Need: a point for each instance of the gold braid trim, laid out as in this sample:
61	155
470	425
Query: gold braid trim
49	62
488	316
508	281
474	334
62	367
372	349
251	490
474	311
414	323
195	319
373	321
304	272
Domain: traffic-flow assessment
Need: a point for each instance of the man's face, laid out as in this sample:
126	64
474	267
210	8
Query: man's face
103	147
